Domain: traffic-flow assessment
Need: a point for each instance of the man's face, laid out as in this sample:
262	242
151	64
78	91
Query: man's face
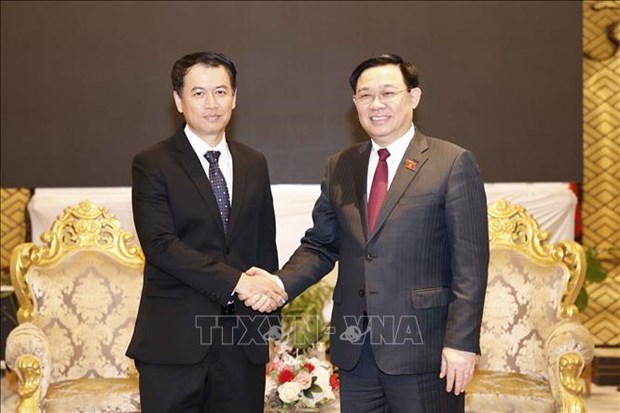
206	101
384	106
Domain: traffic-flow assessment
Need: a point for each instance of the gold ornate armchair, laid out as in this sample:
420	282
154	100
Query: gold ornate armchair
78	295
533	345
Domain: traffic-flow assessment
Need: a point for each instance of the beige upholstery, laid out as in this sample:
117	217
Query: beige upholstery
533	345
78	296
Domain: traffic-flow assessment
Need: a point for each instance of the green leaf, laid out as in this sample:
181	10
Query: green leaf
582	299
315	388
6	294
302	321
308	393
594	271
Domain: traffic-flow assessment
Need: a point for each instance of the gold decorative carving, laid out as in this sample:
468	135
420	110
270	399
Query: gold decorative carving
512	226
533	344
82	227
570	366
29	371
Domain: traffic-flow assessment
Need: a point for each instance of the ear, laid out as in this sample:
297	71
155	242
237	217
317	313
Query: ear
415	94
177	101
355	102
234	102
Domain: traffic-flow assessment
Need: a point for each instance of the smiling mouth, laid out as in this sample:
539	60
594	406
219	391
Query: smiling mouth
379	118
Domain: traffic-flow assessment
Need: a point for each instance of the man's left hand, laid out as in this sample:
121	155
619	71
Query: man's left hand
458	368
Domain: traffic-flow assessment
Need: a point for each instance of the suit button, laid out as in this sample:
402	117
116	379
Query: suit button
369	256
361	292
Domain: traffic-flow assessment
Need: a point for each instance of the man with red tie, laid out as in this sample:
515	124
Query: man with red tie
405	215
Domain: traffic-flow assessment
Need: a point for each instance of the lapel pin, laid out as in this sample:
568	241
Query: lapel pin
411	165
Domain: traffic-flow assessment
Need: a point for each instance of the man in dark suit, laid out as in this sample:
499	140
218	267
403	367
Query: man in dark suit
405	216
203	212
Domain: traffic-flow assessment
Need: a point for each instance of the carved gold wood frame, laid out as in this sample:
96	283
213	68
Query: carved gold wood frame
512	226
85	227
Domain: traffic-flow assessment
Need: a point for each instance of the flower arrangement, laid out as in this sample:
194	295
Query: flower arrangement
298	382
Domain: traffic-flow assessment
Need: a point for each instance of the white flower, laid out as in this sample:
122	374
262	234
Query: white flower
289	391
322	373
304	379
296	393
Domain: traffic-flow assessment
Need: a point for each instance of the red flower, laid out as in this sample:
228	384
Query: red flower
309	366
334	381
285	375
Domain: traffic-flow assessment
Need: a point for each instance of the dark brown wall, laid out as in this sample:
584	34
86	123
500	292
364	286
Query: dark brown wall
85	85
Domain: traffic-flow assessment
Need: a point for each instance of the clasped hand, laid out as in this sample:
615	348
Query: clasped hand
258	289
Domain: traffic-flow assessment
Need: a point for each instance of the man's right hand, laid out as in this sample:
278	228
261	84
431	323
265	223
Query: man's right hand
270	295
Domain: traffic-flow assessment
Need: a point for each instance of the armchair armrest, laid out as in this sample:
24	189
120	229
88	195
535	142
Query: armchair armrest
28	354
568	350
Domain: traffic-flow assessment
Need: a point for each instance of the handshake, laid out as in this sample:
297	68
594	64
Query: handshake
260	290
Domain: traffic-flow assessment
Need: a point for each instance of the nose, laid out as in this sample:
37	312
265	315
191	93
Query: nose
210	100
376	102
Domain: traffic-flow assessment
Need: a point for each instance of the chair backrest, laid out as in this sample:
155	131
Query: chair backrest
532	286
82	288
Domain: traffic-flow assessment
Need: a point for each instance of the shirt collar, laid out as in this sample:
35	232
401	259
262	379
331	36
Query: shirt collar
201	147
399	146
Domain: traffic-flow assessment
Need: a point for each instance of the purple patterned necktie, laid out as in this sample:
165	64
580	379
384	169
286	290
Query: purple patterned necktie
379	189
220	190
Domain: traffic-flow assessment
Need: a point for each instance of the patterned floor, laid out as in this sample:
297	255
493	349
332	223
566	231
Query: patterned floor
604	399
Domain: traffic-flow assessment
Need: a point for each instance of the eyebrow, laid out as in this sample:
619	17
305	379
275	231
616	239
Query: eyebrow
380	87
204	88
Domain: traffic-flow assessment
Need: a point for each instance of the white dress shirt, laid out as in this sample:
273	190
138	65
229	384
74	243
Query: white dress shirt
397	150
226	166
225	162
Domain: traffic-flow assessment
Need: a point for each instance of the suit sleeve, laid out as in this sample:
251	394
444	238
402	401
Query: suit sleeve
318	252
267	249
466	219
163	248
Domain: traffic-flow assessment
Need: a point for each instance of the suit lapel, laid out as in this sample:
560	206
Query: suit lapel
417	152
360	173
193	168
239	182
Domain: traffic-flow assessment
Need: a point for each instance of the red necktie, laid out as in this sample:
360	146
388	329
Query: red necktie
379	188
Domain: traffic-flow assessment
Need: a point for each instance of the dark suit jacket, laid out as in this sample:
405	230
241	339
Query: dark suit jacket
191	266
423	269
